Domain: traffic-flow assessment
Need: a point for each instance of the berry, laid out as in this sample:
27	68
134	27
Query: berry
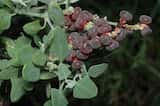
77	64
144	19
105	40
80	55
104	29
93	32
146	31
126	15
68	21
77	11
83	18
99	22
71	56
121	35
112	46
87	15
86	48
75	40
95	43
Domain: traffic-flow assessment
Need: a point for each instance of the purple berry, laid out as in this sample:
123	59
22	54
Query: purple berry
93	32
126	15
95	43
71	56
77	64
144	19
112	46
104	29
99	22
86	48
80	55
121	35
105	40
77	11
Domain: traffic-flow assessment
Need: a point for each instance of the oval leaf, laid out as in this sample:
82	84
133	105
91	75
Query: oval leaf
96	70
57	98
39	58
59	45
17	90
5	20
32	28
30	73
85	89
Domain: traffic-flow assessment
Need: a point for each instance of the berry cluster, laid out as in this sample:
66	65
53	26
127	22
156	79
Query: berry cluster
88	32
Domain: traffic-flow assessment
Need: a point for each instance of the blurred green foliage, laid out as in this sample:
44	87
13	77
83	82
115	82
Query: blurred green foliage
133	75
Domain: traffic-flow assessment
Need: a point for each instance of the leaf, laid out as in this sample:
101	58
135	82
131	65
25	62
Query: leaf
57	98
8	73
56	14
4	64
10	47
17	90
39	58
47	40
59	46
45	1
63	71
25	54
96	70
32	28
5	17
47	75
28	86
48	103
30	73
7	3
37	40
22	41
85	88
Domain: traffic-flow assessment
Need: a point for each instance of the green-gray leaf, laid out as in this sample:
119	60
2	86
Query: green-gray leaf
39	58
57	98
63	71
96	70
25	54
4	64
8	73
47	75
5	17
55	13
85	88
32	28
17	90
59	46
47	39
48	103
7	3
31	73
